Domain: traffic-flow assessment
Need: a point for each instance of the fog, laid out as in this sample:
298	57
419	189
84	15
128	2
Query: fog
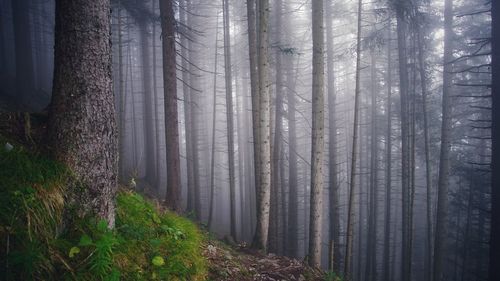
419	186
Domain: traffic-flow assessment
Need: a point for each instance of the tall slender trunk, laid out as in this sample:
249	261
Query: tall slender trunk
155	104
229	118
170	91
428	179
264	136
214	123
354	151
334	221
444	157
405	157
494	271
388	161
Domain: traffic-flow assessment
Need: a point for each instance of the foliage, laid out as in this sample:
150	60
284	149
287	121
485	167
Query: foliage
146	244
332	276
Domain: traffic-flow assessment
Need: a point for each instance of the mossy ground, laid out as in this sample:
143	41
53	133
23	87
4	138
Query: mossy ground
146	244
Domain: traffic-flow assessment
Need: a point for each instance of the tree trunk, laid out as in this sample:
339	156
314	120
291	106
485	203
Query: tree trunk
318	141
354	151
444	157
82	126
229	118
170	92
264	137
405	157
334	221
494	271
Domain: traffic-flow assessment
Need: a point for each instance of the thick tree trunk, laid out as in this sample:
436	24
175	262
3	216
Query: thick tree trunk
173	198
82	127
264	134
318	140
354	151
444	157
494	271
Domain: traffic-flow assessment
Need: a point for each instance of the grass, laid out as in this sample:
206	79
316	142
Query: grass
37	243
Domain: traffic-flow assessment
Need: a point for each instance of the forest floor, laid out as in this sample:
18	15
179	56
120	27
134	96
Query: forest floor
242	263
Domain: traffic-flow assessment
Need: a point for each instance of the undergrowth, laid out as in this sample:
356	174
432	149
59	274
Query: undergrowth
146	244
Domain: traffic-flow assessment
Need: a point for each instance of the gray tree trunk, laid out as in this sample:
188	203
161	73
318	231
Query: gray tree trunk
354	151
264	134
444	157
318	140
82	127
173	198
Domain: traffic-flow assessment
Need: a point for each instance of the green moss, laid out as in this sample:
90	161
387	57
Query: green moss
146	244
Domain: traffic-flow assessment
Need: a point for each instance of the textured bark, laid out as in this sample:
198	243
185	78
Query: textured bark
444	157
334	221
318	141
229	119
494	271
264	137
25	76
170	92
354	151
254	87
82	126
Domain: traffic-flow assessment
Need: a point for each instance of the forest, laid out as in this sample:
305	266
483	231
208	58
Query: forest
354	140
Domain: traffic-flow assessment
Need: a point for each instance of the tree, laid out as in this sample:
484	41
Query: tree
264	133
494	271
318	141
82	126
354	151
334	220
229	118
170	92
444	157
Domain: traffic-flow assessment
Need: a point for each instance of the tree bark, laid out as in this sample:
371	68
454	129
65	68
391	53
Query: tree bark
494	271
170	103
82	126
264	137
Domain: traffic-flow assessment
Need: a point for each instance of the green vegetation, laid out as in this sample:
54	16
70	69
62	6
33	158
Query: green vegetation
146	244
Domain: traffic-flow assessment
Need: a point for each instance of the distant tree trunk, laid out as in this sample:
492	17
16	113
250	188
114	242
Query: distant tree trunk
293	203
405	157
318	140
334	221
388	161
444	157
155	104
122	98
263	137
354	151
428	180
276	183
371	263
494	271
82	126
149	135
229	118
25	76
214	123
254	88
170	91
